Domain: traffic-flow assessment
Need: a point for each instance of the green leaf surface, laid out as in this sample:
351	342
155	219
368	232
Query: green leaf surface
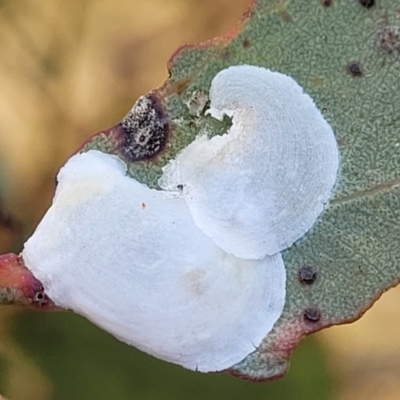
346	57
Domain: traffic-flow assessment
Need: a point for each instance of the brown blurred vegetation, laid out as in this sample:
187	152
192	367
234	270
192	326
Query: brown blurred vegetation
70	68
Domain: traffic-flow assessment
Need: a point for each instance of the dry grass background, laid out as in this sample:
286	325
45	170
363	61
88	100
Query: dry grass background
68	69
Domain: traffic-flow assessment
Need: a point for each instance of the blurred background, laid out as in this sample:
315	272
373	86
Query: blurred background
67	70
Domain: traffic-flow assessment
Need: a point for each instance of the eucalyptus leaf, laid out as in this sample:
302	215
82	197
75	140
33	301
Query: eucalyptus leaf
345	54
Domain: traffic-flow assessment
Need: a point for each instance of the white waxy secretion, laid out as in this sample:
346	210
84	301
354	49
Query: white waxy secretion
262	185
133	261
196	277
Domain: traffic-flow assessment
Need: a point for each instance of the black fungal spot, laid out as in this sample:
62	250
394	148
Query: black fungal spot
40	296
354	68
312	314
246	43
145	129
40	299
180	187
367	3
388	39
327	3
307	275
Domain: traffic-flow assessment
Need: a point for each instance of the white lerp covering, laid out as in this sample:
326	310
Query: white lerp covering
261	186
134	262
195	278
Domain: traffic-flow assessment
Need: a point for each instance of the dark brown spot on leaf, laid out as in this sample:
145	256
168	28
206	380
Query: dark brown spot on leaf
354	68
307	275
312	314
327	3
367	3
246	43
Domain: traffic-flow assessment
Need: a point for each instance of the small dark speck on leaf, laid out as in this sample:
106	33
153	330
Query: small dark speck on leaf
354	68
143	206
40	299
312	314
246	43
307	275
39	296
180	187
367	3
327	3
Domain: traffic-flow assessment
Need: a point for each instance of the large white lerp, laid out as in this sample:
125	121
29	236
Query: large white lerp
194	277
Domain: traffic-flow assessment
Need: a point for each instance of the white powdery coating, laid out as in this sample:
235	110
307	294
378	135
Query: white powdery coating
261	186
134	262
